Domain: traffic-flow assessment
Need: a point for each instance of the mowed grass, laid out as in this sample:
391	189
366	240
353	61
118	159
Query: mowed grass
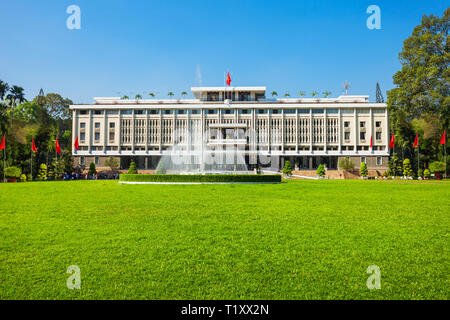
296	240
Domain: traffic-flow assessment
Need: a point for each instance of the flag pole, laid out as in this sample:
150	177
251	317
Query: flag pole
31	163
4	161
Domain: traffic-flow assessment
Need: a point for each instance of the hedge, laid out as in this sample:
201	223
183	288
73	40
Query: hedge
219	178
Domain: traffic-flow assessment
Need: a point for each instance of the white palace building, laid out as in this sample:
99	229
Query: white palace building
307	132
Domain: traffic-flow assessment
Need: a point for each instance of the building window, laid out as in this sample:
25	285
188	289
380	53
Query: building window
181	111
112	112
82	161
112	125
126	112
82	125
167	111
303	111
245	111
139	111
98	112
153	111
379	161
244	96
275	111
111	136
96	160
97	125
362	135
83	112
378	136
194	111
362	124
347	136
213	96
82	136
262	111
363	159
378	124
227	111
211	111
97	136
318	111
332	111
289	111
346	124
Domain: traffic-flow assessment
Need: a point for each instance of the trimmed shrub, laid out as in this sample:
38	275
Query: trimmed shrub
426	173
199	178
420	173
132	169
437	166
321	170
363	170
42	175
13	172
92	170
407	170
287	170
346	164
23	178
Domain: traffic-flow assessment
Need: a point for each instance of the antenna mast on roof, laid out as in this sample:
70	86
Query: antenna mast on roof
346	86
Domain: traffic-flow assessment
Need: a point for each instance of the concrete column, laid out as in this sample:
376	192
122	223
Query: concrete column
132	131
105	132
355	117
74	129
339	126
296	130
325	130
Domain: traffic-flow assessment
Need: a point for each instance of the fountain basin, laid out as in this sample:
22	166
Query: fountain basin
199	179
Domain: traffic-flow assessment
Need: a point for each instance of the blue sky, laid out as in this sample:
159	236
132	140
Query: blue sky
129	47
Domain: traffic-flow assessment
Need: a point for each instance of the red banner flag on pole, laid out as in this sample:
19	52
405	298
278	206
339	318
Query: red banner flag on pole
442	139
228	79
392	143
33	146
371	141
76	145
3	145
416	141
58	148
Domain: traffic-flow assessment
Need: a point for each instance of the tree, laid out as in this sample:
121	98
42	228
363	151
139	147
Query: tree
42	175
138	97
170	94
321	170
92	170
287	170
274	94
151	94
363	170
16	93
314	93
4	88
395	166
420	173
326	94
125	97
407	170
380	98
184	94
57	106
421	86
301	94
112	163
23	177
346	164
287	95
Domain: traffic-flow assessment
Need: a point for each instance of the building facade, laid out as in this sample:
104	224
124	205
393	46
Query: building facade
307	132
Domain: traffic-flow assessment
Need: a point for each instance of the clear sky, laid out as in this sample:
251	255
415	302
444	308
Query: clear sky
129	47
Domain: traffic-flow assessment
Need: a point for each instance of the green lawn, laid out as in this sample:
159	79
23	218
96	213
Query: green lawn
297	240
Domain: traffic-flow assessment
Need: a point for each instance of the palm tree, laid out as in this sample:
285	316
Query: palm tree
4	87
125	97
184	94
274	94
287	95
138	96
314	93
301	93
170	94
16	93
151	94
326	94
